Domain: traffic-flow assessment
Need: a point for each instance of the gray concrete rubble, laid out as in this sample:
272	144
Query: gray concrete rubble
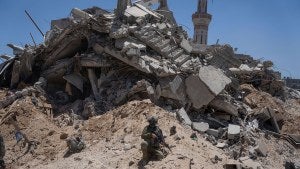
261	149
95	60
200	127
233	131
203	87
183	117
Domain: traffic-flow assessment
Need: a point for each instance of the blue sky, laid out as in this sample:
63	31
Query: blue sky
265	29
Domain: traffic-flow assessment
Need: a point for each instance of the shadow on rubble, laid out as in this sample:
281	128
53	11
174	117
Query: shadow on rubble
30	149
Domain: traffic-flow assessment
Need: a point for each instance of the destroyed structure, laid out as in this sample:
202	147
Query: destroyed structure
292	83
96	60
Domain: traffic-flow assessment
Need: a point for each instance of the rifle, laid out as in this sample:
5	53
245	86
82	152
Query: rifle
161	139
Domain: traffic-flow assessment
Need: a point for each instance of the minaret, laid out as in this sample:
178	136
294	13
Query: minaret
163	5
201	20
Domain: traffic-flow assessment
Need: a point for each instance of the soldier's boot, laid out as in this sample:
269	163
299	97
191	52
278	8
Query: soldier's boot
159	155
144	148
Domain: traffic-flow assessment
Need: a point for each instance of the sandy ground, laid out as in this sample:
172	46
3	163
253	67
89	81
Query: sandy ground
113	141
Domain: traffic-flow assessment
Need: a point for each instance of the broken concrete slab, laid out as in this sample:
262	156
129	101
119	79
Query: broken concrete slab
78	14
17	50
183	117
250	164
221	145
261	149
200	127
213	132
173	87
222	105
76	80
205	86
5	57
185	44
233	131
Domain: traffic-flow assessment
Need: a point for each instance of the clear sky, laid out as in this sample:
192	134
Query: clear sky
267	29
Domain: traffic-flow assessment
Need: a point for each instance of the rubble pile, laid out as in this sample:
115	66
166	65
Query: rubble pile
95	61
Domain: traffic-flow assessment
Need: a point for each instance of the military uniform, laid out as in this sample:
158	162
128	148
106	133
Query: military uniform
153	137
75	144
2	152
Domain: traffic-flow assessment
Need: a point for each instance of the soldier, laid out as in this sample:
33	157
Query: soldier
2	153
75	144
153	139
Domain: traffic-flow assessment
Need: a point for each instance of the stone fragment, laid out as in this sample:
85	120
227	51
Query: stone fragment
213	132
204	87
63	136
183	117
261	149
233	131
201	127
250	164
173	88
221	145
224	106
185	44
232	166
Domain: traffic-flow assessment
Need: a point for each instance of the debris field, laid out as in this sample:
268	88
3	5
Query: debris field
101	74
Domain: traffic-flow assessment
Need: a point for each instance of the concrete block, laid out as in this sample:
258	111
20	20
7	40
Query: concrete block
261	149
249	163
233	131
201	127
133	52
221	145
183	117
173	88
213	132
224	106
185	44
214	78
205	86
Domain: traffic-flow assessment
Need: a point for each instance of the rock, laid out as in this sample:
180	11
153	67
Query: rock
213	132
51	133
127	147
173	130
250	164
185	44
261	149
77	158
131	163
173	88
183	117
176	137
204	87
233	131
221	105
194	136
241	159
232	166
63	136
215	159
201	127
221	145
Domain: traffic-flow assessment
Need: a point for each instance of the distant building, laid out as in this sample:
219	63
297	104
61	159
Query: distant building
292	83
201	20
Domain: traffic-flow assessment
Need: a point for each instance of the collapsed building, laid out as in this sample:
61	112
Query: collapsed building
96	60
88	52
